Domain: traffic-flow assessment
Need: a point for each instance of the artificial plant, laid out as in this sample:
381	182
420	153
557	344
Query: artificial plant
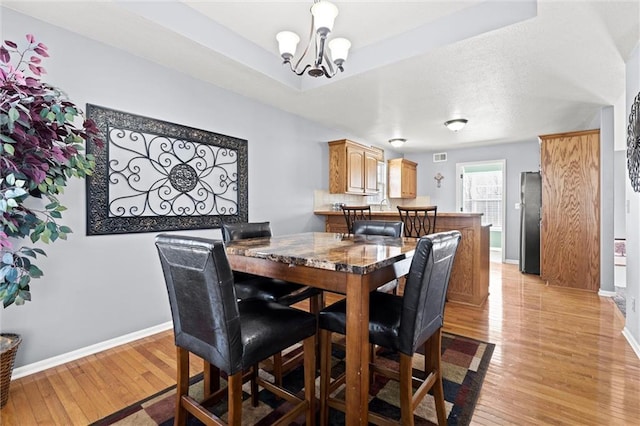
42	138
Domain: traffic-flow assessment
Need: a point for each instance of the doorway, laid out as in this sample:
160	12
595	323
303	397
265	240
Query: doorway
480	188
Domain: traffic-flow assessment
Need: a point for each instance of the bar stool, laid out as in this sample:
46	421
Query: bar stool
403	324
269	289
353	213
418	221
229	335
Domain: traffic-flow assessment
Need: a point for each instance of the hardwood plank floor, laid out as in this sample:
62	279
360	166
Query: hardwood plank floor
560	358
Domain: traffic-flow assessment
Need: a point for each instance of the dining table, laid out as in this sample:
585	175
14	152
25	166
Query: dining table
353	265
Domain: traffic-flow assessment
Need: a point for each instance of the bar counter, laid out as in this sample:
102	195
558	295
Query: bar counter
469	283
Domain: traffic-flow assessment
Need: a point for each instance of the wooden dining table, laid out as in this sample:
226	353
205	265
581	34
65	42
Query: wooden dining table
340	263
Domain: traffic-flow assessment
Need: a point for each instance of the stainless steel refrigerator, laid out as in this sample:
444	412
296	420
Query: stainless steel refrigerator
530	204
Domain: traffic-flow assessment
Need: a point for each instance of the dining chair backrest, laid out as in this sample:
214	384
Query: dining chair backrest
353	213
418	221
202	299
386	228
426	289
241	231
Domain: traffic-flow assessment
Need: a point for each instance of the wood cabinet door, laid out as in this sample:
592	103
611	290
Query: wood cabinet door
570	226
370	173
409	180
355	170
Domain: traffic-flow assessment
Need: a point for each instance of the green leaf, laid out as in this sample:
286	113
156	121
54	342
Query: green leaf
8	148
39	251
65	229
6	138
7	259
14	114
56	214
35	272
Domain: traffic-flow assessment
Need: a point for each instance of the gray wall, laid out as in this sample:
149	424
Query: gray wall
619	182
101	287
632	292
519	156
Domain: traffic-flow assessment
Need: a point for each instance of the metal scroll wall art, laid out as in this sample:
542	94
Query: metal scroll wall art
633	145
158	176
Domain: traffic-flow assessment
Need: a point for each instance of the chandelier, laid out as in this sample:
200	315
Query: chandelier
323	14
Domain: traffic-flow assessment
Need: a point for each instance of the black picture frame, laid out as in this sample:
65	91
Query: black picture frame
217	172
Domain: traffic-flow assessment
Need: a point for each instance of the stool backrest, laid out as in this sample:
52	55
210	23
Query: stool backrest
241	231
386	228
353	213
426	289
418	221
202	299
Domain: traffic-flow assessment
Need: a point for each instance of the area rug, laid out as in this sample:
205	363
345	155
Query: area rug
464	365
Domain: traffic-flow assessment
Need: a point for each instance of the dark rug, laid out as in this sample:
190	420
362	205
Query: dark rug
464	365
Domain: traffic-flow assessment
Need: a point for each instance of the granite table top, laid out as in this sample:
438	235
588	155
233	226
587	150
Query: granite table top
357	254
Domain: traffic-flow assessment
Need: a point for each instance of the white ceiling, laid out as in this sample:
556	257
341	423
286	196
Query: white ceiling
515	69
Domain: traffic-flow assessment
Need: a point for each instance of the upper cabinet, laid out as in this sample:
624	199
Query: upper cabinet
353	168
402	178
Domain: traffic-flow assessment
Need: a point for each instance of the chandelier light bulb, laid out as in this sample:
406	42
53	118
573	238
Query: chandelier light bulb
324	15
339	48
287	43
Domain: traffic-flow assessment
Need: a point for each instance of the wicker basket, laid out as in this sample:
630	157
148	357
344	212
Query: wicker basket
8	348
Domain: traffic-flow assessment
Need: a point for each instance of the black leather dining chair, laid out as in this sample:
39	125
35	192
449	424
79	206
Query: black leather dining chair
229	335
353	213
403	324
387	228
418	221
273	290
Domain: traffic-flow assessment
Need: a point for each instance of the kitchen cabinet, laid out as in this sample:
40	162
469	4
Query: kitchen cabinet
402	179
469	282
353	168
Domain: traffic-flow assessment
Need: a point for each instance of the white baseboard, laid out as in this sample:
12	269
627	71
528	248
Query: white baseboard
512	261
606	293
634	344
36	367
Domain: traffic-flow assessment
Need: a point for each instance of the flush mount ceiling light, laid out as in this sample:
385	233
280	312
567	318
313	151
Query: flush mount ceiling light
397	142
456	124
323	13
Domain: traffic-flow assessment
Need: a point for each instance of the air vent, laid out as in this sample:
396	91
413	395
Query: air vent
440	157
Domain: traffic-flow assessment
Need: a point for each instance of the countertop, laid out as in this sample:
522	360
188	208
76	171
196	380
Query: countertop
394	212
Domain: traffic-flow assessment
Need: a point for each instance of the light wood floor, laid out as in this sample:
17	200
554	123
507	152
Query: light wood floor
559	359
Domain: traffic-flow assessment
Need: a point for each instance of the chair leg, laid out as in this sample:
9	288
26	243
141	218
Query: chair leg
211	379
406	390
325	375
310	378
254	385
235	399
277	369
182	385
433	352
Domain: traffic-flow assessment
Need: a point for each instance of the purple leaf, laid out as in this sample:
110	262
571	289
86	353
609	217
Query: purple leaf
4	55
35	60
34	69
10	43
42	46
42	52
30	38
31	82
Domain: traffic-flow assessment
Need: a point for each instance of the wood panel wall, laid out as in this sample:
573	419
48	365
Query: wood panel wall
570	228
